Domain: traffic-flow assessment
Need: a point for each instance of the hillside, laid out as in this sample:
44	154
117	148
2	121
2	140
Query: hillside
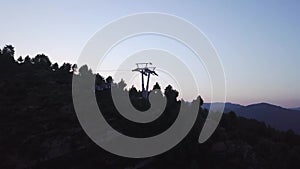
39	128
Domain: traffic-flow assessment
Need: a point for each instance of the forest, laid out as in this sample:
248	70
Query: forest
40	130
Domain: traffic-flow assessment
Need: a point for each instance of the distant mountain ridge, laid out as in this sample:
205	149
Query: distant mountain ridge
296	108
273	115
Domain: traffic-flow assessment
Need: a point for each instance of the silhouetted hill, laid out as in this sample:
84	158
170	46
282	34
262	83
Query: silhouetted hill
276	116
39	128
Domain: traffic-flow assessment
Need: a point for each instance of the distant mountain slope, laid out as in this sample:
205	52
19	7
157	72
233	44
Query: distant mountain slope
296	108
228	106
276	116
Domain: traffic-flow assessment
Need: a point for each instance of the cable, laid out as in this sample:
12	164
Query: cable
112	70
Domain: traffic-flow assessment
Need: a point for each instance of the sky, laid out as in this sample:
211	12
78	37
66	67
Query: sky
257	41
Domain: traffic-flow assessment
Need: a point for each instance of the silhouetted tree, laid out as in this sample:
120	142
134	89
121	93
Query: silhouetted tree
74	68
7	56
54	67
85	71
20	59
170	93
201	100
99	80
27	60
42	61
109	80
122	84
66	67
156	86
133	93
8	50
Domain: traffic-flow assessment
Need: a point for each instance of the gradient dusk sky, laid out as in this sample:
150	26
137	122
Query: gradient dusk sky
257	41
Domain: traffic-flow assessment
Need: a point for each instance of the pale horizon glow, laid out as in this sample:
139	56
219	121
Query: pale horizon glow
257	41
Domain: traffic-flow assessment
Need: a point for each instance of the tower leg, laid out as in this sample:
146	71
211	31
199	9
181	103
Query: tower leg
143	86
147	85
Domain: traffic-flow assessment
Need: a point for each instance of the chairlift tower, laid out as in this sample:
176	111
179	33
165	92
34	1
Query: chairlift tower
145	71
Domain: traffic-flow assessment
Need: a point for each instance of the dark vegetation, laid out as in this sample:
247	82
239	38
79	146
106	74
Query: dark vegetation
39	128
